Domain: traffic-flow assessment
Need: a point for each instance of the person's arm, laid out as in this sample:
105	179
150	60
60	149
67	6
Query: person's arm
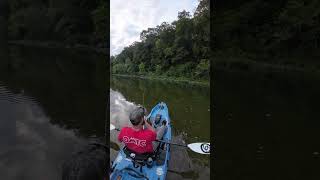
149	126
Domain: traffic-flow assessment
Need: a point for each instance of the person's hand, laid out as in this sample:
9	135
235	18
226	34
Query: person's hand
149	125
147	121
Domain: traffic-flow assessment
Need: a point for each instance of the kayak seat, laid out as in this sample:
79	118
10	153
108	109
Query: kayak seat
138	156
139	160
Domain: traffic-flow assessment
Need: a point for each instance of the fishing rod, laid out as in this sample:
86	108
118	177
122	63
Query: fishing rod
199	147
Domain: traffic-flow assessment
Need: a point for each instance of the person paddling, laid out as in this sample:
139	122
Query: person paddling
137	138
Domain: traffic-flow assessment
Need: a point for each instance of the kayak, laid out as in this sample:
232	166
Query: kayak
131	166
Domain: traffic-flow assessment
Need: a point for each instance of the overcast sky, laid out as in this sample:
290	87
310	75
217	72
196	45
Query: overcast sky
130	17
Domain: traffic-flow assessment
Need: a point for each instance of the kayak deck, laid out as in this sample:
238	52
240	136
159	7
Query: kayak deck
123	166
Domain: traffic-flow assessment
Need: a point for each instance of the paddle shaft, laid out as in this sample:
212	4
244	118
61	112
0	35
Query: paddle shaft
182	145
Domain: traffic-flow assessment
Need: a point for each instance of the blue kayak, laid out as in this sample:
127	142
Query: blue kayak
131	166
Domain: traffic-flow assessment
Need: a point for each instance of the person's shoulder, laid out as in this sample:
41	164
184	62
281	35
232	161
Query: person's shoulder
150	131
124	129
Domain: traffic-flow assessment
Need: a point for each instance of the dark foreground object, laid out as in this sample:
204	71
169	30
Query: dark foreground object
88	163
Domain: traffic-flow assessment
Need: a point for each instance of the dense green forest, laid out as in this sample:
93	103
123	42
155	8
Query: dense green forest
64	21
280	33
178	50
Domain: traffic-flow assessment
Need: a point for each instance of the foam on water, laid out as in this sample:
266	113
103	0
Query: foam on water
120	109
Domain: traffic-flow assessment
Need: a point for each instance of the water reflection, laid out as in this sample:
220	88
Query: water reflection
189	111
265	127
51	103
29	141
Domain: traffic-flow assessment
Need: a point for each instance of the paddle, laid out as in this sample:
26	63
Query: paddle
201	148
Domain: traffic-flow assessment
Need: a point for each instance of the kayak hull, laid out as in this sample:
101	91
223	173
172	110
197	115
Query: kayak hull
123	166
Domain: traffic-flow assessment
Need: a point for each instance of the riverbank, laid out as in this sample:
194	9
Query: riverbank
169	79
54	45
242	64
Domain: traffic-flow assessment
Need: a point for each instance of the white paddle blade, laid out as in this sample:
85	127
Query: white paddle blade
112	127
202	148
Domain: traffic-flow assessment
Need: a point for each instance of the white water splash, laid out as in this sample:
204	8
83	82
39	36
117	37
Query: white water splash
120	109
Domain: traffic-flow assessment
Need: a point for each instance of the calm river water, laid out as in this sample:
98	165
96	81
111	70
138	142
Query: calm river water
266	126
189	109
51	103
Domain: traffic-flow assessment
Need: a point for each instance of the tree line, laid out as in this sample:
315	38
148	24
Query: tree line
177	49
67	21
278	32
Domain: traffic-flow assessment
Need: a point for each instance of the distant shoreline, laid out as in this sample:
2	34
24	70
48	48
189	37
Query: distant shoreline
170	79
246	65
51	44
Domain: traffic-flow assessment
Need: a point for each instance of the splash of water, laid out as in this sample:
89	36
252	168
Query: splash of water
120	109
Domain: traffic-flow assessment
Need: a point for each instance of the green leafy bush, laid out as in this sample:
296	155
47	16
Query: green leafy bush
142	69
158	69
119	69
203	68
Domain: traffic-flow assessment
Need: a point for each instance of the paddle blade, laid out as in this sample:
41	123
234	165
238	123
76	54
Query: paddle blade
202	148
112	127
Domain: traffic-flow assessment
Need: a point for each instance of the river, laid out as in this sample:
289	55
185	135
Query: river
52	102
266	125
189	110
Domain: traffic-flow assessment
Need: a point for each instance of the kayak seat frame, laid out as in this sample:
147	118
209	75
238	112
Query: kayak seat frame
139	160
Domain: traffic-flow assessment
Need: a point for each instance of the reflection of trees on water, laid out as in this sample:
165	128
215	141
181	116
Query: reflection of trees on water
188	109
70	86
187	104
260	119
29	138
